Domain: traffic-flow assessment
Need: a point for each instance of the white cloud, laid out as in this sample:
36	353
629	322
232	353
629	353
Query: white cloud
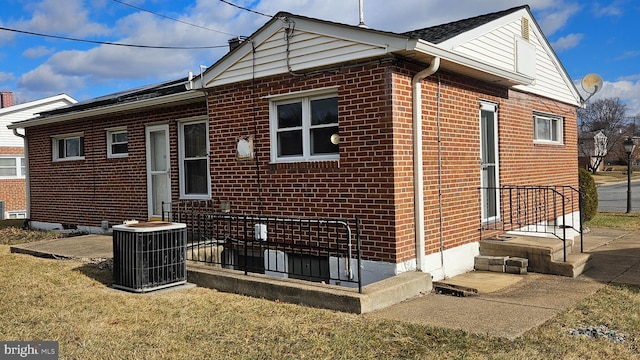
627	90
567	42
5	76
36	52
613	9
44	80
554	17
55	16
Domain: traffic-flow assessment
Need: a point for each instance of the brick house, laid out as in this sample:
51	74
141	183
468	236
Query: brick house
13	167
412	133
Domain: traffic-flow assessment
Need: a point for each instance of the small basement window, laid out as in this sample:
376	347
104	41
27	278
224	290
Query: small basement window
68	147
547	129
117	143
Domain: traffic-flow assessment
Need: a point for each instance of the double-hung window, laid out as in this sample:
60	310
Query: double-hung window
117	143
304	128
547	129
68	147
12	167
195	182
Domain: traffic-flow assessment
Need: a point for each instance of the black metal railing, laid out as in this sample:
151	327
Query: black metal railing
534	209
320	250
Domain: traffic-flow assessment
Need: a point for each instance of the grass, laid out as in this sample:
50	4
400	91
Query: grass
69	301
613	220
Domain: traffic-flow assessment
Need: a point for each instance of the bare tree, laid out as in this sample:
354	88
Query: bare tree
606	116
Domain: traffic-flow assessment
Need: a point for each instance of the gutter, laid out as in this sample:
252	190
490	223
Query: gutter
26	169
418	167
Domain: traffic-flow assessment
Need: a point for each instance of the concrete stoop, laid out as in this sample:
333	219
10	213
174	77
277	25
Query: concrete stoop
544	255
375	296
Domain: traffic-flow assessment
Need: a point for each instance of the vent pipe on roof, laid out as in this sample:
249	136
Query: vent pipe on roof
362	24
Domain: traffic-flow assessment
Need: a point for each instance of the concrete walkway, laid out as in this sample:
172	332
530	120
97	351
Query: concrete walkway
506	305
509	305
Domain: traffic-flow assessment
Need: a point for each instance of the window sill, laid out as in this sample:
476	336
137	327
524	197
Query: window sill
69	159
550	143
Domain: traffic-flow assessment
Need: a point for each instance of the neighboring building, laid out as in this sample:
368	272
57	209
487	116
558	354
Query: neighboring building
592	150
412	133
13	169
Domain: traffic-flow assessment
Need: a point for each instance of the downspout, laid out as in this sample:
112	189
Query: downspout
418	171
26	170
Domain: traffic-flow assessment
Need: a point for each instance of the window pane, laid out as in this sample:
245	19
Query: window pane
8	171
321	141
195	140
196	177
488	150
555	130
119	148
290	143
119	137
289	115
324	111
543	131
4	162
61	149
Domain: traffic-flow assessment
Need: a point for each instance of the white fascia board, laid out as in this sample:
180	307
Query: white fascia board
427	48
189	95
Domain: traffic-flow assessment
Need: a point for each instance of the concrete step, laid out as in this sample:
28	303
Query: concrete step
545	255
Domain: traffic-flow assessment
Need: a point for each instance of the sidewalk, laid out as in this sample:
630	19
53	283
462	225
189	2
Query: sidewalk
508	305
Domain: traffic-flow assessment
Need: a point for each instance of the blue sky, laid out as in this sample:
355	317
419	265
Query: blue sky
588	36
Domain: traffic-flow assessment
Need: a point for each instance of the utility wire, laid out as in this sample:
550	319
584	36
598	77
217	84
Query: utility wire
174	19
244	8
113	43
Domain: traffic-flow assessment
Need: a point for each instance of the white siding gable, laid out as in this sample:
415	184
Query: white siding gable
310	46
496	43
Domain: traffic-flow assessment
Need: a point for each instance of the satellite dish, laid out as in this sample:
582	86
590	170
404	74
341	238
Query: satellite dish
592	83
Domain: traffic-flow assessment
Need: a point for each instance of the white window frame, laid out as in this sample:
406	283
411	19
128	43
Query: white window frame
54	146
304	97
110	143
556	126
18	167
182	159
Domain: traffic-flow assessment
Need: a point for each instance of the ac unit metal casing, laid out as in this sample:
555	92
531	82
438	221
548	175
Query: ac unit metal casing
149	256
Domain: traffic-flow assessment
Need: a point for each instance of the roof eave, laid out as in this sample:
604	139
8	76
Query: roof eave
425	51
187	96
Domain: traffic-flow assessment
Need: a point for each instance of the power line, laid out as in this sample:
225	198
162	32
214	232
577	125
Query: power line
245	9
113	43
174	19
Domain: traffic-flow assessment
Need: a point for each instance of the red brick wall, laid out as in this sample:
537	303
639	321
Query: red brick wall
88	191
373	180
13	191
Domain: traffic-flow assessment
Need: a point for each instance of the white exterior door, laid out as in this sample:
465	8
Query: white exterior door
489	179
158	169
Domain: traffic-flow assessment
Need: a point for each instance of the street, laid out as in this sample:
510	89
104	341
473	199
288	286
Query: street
614	197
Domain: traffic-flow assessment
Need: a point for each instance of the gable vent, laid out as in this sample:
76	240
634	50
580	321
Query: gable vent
525	28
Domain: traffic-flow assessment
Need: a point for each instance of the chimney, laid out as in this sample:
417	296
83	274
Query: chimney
6	99
235	42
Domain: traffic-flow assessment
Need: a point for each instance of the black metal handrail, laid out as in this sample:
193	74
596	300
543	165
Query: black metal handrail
535	209
314	249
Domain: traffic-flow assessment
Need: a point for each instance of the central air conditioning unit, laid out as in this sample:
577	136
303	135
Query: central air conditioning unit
149	256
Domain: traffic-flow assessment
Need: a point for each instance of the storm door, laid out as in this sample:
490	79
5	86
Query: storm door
489	180
158	169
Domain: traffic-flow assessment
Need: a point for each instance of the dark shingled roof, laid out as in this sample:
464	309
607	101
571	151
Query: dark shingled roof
140	93
439	33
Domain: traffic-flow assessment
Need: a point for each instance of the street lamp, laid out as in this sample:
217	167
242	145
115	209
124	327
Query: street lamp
628	148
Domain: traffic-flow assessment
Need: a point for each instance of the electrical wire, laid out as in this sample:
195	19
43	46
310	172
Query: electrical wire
174	19
113	43
244	8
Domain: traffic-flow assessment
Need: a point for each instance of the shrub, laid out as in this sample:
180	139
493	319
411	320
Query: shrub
589	195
